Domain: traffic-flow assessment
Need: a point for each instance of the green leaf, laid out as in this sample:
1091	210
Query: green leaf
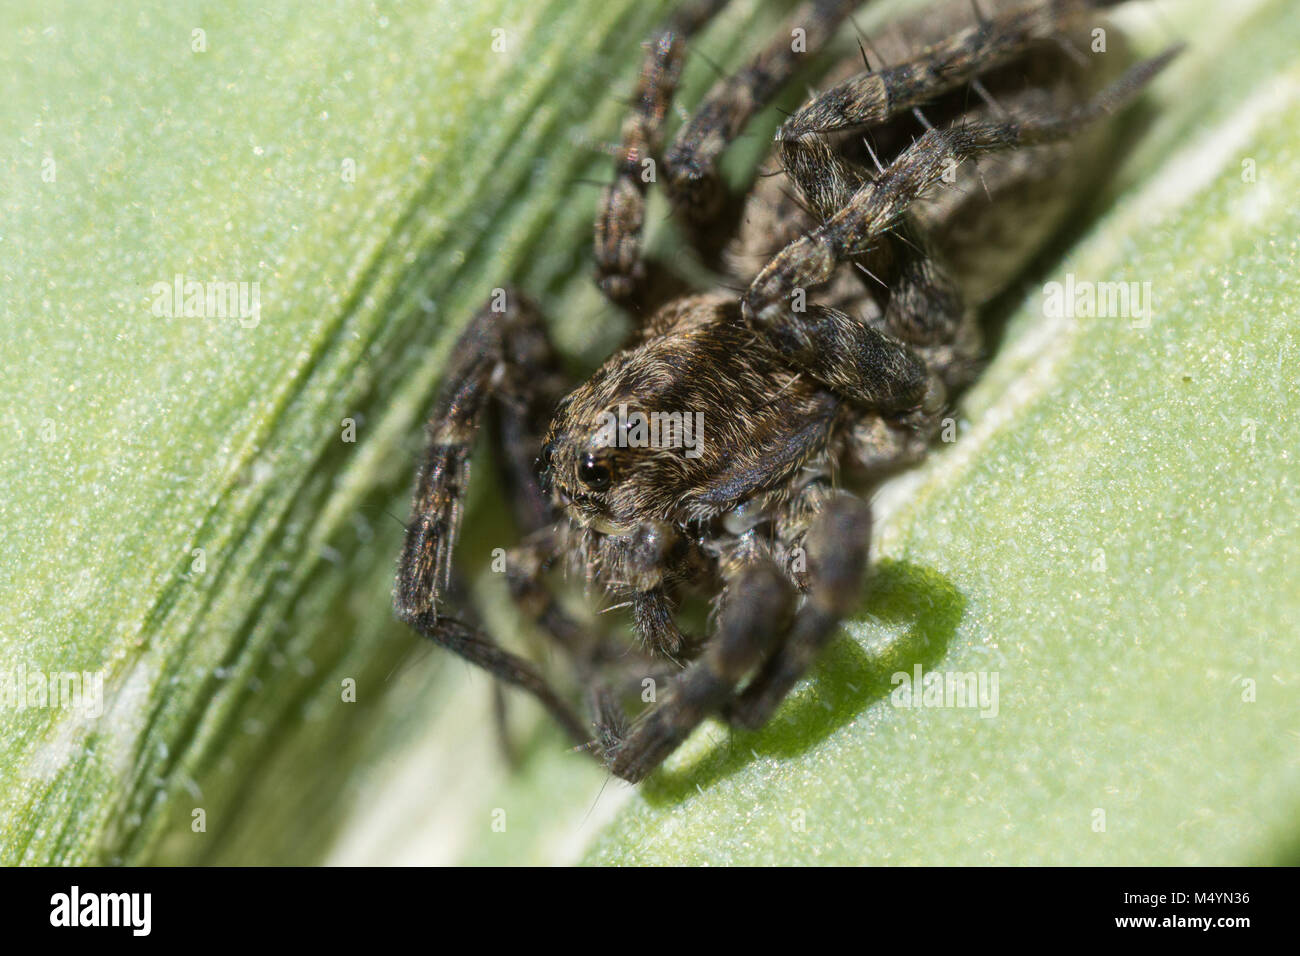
182	514
128	440
1113	536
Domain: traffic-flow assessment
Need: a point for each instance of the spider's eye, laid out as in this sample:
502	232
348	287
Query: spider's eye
544	457
542	467
593	474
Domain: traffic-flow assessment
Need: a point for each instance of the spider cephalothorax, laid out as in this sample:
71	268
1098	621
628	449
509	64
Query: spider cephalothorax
681	425
720	450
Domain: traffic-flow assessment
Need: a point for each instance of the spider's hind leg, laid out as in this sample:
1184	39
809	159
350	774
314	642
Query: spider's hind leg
874	97
621	272
875	209
694	180
695	186
928	310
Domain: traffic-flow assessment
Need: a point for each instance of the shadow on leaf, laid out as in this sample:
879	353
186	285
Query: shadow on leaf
851	675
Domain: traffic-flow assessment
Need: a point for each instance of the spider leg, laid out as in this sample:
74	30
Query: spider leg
590	652
502	350
526	565
606	668
853	359
501	723
477	648
620	218
835	532
754	614
502	356
826	180
928	310
876	208
590	655
692	161
528	387
655	561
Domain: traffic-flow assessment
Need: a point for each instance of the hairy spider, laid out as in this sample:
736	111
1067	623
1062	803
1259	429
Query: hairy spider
719	451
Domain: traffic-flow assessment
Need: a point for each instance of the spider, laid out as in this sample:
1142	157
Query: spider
719	451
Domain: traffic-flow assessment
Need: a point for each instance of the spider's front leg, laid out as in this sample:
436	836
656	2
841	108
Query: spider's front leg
655	561
503	358
591	653
605	668
834	531
755	613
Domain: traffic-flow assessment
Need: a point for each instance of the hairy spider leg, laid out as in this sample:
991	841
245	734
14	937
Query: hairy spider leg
620	216
754	615
836	539
485	367
691	163
879	205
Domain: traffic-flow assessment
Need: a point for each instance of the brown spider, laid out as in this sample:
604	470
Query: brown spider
713	453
